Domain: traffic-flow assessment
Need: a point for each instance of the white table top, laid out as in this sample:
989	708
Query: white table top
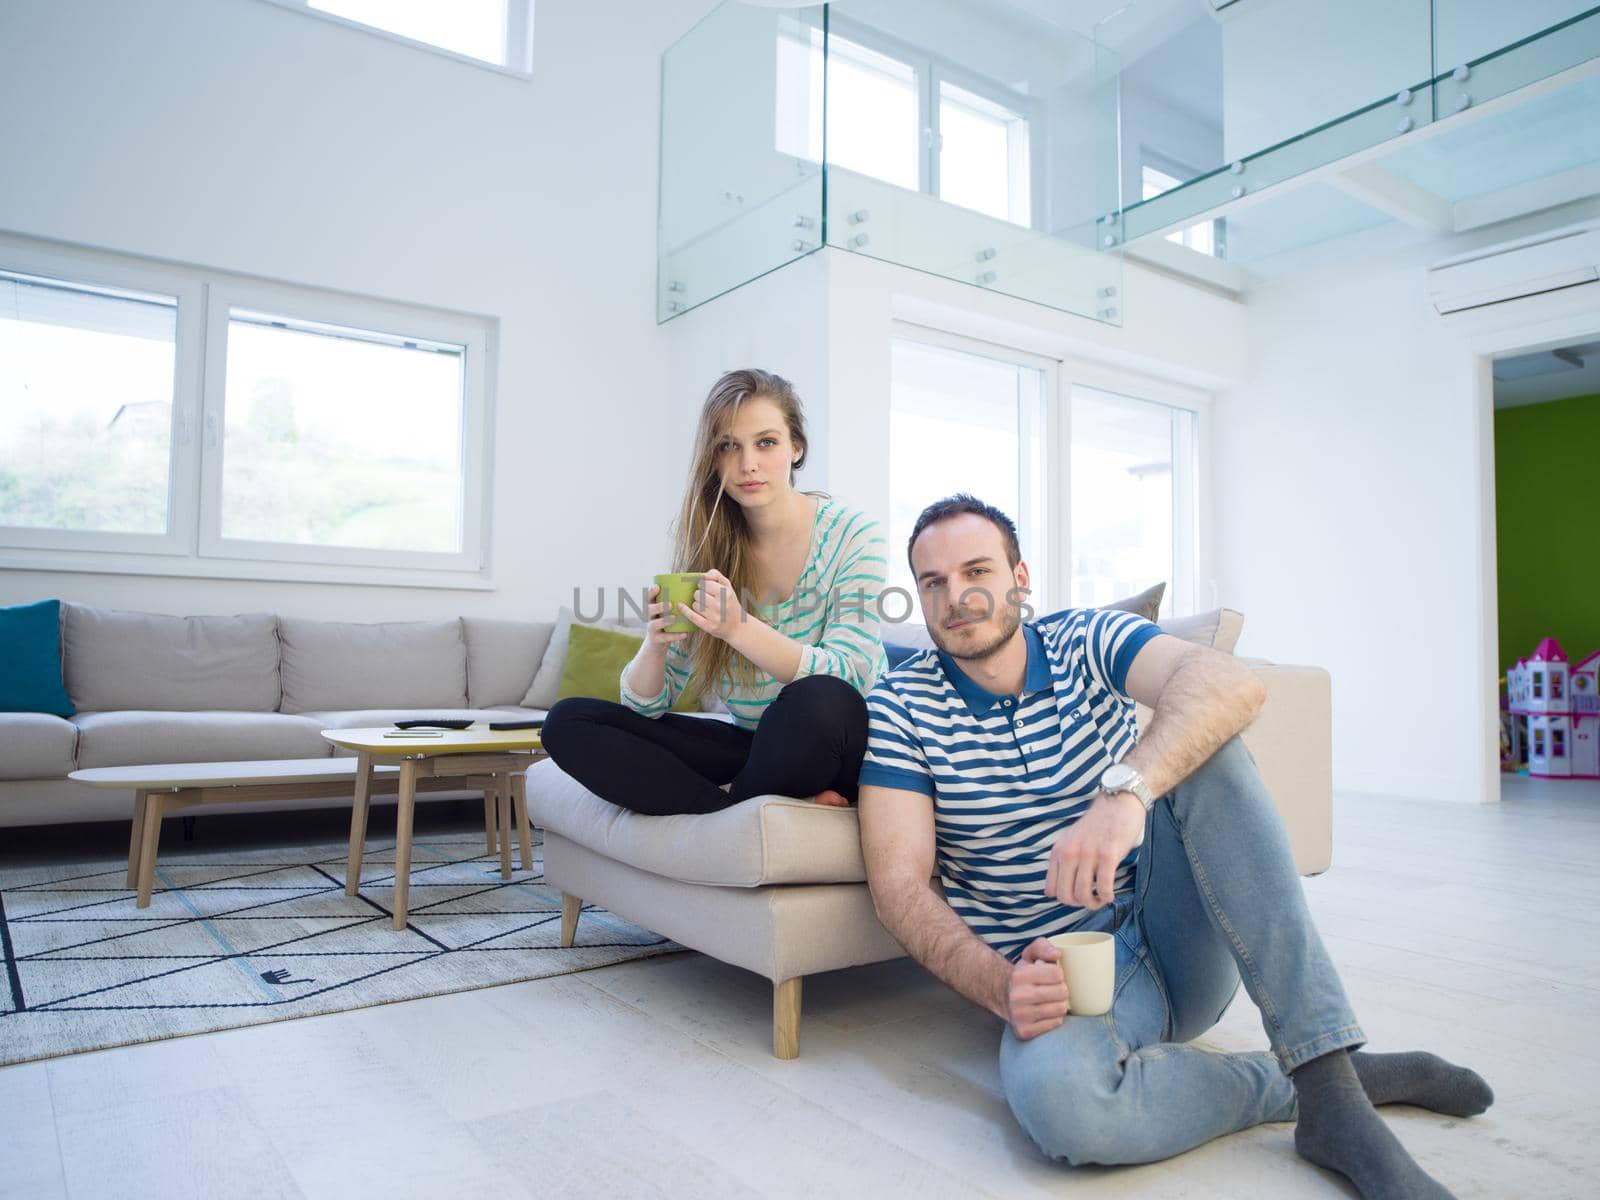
478	739
224	774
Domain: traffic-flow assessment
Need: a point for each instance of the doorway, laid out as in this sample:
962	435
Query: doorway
1543	614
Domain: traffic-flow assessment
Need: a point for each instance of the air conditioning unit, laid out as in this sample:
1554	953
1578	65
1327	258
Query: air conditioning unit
1565	259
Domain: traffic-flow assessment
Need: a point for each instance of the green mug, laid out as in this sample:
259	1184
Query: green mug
678	589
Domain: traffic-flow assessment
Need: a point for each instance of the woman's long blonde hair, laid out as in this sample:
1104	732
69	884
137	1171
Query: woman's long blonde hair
711	535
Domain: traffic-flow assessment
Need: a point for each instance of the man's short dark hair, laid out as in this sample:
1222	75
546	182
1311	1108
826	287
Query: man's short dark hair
955	506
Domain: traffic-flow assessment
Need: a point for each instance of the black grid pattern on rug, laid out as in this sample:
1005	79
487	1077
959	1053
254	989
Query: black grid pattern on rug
240	937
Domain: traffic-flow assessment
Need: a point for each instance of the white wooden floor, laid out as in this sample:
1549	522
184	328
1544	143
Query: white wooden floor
1470	931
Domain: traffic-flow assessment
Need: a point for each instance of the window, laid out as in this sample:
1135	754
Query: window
1202	236
872	113
1538	742
1133	499
1538	685
983	155
966	416
961	421
87	377
488	31
899	115
1558	743
340	437
1555	685
204	425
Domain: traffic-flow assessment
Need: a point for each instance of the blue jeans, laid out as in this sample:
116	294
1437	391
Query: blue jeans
1216	900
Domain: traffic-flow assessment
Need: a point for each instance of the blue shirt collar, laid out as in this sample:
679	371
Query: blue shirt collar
979	699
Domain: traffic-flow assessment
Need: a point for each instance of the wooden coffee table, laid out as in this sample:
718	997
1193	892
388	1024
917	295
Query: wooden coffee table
498	757
161	788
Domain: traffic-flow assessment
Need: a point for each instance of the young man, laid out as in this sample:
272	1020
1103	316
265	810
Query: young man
1009	758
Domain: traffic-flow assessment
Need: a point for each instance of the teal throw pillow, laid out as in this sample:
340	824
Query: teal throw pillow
30	660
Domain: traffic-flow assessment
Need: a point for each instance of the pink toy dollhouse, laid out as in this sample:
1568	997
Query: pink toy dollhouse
1555	713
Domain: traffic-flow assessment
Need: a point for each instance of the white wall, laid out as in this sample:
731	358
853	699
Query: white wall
239	135
1354	505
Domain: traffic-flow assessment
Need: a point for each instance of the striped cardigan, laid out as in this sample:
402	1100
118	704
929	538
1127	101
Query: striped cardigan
833	614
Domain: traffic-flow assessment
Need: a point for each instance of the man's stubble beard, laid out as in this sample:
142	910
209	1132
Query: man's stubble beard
1009	625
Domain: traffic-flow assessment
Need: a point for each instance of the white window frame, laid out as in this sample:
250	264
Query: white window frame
1052	565
181	461
193	545
519	36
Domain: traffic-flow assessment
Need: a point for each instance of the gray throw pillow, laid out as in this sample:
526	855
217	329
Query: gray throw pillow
1147	603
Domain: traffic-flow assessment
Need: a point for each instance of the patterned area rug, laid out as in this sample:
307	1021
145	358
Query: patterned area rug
243	937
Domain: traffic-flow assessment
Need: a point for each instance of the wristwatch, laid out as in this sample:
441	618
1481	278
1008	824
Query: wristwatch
1123	778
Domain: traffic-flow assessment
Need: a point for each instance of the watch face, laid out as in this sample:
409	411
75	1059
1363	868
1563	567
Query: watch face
1119	776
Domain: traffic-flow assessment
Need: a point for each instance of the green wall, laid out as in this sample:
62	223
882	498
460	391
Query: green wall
1547	506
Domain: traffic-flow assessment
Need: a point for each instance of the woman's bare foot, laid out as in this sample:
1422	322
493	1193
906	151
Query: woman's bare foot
831	798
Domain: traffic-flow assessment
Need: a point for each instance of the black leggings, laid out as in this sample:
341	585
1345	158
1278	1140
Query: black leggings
810	738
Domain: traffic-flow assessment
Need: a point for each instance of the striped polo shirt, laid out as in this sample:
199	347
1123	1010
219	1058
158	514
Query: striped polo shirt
833	613
1008	774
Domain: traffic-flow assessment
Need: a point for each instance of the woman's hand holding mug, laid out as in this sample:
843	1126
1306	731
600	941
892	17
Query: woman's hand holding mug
716	609
656	638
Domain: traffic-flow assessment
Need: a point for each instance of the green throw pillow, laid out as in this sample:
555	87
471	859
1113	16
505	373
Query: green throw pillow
595	659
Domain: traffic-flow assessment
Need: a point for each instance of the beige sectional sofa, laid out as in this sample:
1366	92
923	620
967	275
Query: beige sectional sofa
159	689
778	886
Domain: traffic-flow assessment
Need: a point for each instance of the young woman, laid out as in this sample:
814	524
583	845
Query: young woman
792	666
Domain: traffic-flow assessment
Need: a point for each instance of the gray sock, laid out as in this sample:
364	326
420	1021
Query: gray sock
1423	1079
1339	1129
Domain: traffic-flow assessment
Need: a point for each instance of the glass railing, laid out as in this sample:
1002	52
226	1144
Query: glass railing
1272	90
964	138
977	141
735	200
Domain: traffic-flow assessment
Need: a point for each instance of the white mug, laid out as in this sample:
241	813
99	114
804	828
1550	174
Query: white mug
1089	965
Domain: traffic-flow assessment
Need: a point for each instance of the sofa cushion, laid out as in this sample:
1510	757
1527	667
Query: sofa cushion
123	739
764	840
36	746
595	661
1219	628
330	665
132	660
30	647
502	658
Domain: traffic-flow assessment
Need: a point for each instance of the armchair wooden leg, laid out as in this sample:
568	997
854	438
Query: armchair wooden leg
786	1019
571	906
